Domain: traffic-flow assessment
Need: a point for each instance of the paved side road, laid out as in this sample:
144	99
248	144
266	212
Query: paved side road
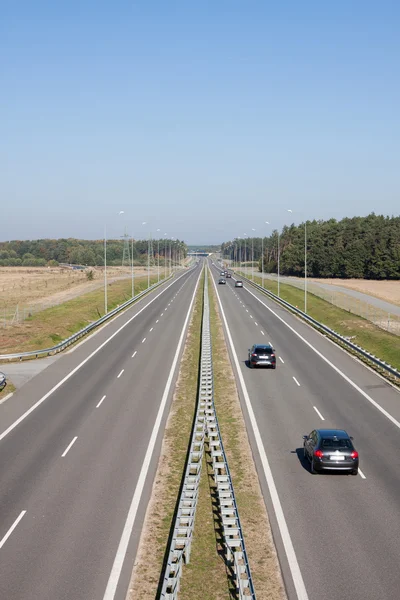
77	471
344	531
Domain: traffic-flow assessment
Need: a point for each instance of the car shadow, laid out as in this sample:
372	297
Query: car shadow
302	459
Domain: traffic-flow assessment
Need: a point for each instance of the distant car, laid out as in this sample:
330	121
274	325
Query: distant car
222	273
3	380
222	280
228	275
238	283
262	355
331	450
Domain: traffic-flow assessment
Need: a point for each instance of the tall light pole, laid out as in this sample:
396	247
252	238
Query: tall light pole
305	262
158	257
262	255
165	256
245	255
252	256
133	276
105	270
279	252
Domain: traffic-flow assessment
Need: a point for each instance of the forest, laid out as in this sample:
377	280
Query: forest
36	253
359	247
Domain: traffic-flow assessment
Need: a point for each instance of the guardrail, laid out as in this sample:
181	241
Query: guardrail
73	338
331	332
206	428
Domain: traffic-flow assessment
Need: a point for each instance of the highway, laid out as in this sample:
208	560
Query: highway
337	536
79	445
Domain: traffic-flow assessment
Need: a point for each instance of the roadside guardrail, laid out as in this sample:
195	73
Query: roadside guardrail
206	430
330	332
76	336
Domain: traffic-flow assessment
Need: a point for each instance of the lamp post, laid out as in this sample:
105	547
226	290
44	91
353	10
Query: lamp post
158	258
279	252
245	255
121	212
133	275
262	256
165	257
305	262
252	256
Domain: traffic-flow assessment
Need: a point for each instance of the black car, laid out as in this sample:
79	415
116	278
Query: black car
262	355
228	275
221	280
331	450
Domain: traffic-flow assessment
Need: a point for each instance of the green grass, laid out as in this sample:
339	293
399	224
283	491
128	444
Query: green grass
48	327
377	341
8	389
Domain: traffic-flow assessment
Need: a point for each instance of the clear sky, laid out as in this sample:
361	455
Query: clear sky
203	119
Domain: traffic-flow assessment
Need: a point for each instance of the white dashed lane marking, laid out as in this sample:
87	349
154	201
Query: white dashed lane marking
13	526
281	359
318	413
134	354
118	376
101	401
296	381
152	329
68	448
262	333
143	340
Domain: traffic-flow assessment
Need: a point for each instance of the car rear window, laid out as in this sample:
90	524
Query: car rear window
330	443
263	351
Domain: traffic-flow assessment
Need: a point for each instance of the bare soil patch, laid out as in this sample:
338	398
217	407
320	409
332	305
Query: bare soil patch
385	290
32	286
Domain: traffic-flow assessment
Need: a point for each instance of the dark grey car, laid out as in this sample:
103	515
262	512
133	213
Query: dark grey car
331	450
262	355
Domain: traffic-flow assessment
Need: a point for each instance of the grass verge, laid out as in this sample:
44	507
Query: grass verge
260	546
381	343
160	511
7	389
53	325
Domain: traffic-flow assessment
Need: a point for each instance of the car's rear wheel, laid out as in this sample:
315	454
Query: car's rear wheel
355	472
312	467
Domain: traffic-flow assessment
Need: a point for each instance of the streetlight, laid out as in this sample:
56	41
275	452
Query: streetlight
262	255
305	263
148	257
158	258
245	256
279	252
252	256
121	212
165	257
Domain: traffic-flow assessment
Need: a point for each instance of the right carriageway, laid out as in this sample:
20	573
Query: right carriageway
337	536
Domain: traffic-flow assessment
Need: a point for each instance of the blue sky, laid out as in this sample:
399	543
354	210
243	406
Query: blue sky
203	119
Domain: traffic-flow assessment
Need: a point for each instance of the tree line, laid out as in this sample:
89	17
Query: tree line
37	253
359	247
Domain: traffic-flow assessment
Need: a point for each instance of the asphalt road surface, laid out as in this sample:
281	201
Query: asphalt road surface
76	471
337	536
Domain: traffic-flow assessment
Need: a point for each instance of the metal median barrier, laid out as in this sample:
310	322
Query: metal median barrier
342	339
206	430
76	336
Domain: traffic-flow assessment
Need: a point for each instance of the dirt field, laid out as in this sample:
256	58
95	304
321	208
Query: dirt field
385	290
32	286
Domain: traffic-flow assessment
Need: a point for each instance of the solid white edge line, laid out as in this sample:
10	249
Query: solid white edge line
361	474
6	397
101	401
13	526
60	383
296	381
328	362
318	413
118	376
280	517
134	354
113	579
68	448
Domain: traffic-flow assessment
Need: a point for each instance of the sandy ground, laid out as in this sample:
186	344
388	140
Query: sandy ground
32	286
385	290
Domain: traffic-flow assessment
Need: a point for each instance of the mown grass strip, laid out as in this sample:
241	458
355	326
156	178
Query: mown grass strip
260	547
149	562
53	325
381	343
7	389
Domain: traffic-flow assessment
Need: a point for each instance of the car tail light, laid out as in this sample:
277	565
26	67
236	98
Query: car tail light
318	453
354	454
254	354
273	355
